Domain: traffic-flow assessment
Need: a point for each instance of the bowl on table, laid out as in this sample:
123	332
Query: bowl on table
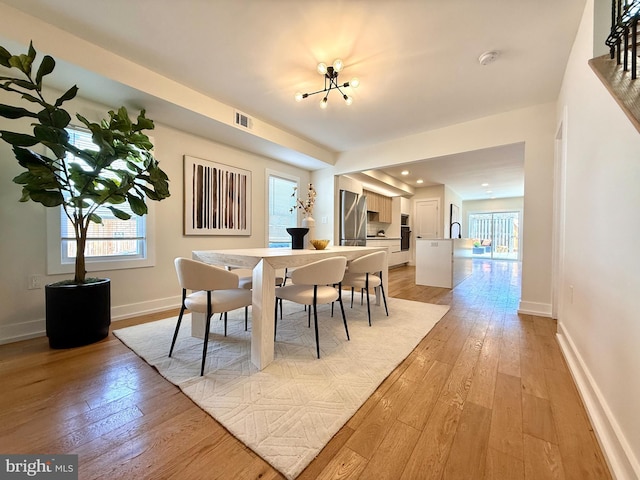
319	244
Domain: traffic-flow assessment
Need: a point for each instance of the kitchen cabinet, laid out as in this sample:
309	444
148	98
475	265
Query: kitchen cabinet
394	255
380	204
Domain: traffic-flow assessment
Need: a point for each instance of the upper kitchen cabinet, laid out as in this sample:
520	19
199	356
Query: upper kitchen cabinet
380	205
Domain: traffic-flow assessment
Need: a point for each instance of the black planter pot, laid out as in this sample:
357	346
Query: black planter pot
297	237
78	314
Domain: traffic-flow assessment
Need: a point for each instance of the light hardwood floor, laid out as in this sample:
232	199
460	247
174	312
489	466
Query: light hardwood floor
485	395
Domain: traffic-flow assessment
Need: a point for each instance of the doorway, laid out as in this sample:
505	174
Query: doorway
496	235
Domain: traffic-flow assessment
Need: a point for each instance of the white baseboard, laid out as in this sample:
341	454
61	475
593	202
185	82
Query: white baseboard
620	457
133	309
535	308
17	332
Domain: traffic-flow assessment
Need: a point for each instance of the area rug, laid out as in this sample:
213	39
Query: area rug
289	411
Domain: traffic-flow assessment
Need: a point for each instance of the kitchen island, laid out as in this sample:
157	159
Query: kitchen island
443	262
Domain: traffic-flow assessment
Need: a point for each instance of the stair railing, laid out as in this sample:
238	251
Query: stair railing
623	38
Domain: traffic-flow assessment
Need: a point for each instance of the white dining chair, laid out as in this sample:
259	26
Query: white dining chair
245	276
315	284
214	290
365	273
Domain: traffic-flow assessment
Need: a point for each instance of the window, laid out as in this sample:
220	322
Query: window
114	244
280	217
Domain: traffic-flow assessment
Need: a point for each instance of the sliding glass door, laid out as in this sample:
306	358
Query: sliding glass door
495	234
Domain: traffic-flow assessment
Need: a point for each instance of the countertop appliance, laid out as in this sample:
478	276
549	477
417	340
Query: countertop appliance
353	220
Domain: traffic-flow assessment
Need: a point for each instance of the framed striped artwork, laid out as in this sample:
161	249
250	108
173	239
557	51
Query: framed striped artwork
217	198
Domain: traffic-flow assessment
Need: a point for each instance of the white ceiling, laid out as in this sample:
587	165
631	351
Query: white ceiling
417	61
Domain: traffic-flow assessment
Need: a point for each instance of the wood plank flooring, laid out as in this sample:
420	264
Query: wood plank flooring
486	395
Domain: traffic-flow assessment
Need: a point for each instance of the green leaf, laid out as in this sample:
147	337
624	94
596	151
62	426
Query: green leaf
4	57
137	205
68	95
23	83
7	111
119	213
18	139
95	218
47	198
33	99
46	67
144	123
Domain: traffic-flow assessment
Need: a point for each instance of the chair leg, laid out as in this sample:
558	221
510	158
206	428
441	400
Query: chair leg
206	334
246	318
175	333
315	319
225	324
308	316
366	287
344	318
275	323
351	297
384	298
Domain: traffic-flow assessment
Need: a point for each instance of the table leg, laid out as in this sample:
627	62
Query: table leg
262	316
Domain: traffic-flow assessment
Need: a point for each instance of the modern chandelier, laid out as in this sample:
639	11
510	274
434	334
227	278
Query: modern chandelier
330	74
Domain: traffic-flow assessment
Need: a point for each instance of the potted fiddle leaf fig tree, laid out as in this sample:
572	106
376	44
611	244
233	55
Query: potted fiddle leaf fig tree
120	171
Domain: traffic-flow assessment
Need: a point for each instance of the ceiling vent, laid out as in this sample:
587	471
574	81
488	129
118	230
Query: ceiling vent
243	120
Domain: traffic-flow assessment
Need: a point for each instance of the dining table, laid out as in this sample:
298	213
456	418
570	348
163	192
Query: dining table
265	262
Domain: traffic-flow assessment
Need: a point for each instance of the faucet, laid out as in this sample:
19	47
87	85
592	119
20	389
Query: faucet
459	229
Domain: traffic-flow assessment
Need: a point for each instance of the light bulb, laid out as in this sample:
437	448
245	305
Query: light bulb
323	103
347	99
322	68
355	82
337	65
298	96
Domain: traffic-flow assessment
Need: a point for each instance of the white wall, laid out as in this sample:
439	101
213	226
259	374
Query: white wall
535	126
599	322
134	291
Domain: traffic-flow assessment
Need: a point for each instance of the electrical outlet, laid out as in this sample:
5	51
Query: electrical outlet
324	219
35	282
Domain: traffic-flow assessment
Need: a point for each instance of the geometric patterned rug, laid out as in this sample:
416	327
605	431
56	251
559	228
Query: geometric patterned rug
289	411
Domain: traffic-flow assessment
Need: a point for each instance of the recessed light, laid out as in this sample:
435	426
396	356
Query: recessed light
484	185
419	181
404	172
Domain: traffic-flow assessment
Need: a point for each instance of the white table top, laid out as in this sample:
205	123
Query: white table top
277	257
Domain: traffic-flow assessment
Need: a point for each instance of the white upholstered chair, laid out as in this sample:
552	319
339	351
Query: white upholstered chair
214	290
366	273
246	281
313	285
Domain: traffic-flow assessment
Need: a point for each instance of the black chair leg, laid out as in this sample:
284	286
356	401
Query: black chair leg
275	323
175	333
246	318
351	297
225	324
344	318
384	298
205	343
315	319
366	287
308	316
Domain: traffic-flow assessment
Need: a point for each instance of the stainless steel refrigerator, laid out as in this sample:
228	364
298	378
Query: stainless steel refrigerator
353	220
